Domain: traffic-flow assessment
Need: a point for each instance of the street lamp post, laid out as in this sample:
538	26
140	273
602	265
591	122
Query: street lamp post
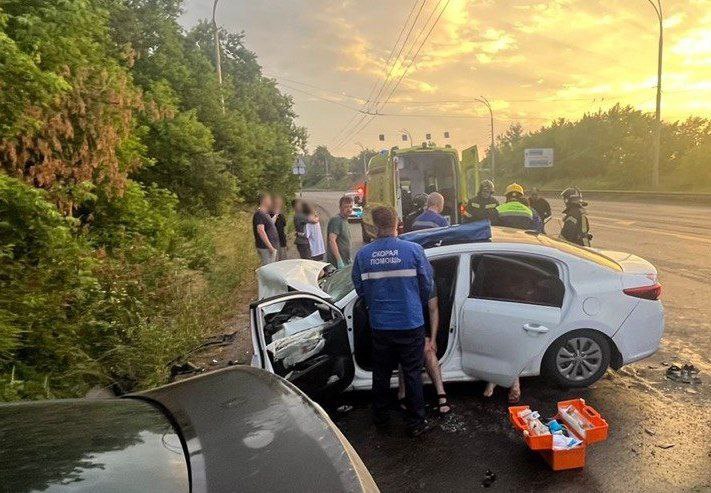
658	116
218	58
409	135
485	101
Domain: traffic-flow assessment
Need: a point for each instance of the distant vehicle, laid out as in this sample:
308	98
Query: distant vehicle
394	177
357	212
520	304
238	429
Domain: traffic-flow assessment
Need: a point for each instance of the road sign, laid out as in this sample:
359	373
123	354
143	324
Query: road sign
538	158
299	167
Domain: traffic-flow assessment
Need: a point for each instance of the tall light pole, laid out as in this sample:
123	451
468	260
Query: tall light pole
218	58
658	117
362	153
409	135
485	101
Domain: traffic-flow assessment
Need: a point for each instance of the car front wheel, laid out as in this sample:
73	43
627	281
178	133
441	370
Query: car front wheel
577	359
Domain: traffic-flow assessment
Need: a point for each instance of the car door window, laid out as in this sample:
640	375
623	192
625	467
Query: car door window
517	279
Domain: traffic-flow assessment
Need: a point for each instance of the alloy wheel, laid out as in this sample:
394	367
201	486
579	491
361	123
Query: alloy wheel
578	359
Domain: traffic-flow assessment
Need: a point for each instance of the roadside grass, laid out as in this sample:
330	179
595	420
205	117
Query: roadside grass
131	311
202	301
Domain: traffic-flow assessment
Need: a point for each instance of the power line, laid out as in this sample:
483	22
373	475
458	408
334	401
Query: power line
349	128
392	68
473	117
306	84
322	98
412	60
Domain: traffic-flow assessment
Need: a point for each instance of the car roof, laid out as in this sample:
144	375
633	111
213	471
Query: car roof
512	235
531	241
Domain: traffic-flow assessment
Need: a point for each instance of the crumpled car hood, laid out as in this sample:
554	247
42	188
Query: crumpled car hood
290	275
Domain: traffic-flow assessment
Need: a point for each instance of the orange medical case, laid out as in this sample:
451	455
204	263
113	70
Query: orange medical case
595	431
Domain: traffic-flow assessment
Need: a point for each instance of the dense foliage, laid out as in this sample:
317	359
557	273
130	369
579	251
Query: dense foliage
121	175
343	172
610	149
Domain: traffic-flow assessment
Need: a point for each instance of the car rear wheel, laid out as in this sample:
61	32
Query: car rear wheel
577	359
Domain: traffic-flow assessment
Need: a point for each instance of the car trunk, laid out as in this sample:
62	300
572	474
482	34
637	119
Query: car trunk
638	272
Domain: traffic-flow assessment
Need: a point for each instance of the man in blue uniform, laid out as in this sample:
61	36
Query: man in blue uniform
395	278
432	216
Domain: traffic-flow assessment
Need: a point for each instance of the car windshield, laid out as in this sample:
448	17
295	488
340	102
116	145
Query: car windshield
580	252
338	284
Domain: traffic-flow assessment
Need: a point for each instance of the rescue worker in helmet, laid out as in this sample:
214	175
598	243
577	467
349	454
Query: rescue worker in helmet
576	228
418	206
483	206
515	212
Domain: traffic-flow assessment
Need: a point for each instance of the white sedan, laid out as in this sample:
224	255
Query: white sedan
517	304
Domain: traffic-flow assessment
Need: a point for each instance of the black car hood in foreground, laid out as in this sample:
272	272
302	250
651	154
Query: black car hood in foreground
248	430
89	446
242	429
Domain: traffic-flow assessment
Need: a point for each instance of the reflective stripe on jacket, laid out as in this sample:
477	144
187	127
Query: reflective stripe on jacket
515	215
395	278
429	219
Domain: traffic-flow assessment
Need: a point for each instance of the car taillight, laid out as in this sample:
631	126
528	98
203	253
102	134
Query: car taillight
645	292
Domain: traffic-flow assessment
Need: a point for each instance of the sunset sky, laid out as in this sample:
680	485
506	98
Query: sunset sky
534	60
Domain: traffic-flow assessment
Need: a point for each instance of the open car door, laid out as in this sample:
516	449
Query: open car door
303	338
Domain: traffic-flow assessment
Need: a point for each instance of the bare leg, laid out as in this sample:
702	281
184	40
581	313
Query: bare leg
435	373
515	392
489	390
400	385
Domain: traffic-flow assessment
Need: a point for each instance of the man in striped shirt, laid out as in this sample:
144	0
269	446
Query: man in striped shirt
395	279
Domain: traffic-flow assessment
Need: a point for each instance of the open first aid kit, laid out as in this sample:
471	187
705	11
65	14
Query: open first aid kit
562	440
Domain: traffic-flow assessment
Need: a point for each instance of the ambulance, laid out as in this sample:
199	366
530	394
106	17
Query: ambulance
397	177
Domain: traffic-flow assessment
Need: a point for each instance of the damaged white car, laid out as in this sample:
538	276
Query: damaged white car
514	304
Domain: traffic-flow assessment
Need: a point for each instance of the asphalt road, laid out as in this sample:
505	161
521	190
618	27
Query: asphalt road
659	430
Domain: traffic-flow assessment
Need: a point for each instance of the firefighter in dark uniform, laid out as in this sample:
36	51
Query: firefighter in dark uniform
418	206
576	228
483	206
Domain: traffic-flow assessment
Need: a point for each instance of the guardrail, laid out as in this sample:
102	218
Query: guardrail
640	196
700	198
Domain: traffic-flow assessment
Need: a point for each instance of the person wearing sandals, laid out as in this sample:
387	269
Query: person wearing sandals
431	362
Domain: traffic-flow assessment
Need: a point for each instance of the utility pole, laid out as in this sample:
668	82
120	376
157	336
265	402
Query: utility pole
485	101
658	116
218	58
362	153
328	174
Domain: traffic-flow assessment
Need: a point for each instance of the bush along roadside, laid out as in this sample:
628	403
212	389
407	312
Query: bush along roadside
123	167
77	311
